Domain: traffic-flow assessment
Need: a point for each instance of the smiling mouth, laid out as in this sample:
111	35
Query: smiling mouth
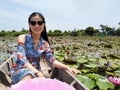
37	29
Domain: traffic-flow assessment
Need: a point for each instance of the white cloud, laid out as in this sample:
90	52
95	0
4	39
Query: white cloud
60	14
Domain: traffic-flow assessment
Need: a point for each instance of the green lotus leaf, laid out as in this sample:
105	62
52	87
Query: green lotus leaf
117	61
117	73
60	58
85	70
102	61
109	73
91	59
115	66
56	53
91	65
81	60
104	84
93	76
83	57
87	81
73	66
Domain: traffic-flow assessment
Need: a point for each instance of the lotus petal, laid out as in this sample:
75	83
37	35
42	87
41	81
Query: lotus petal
41	84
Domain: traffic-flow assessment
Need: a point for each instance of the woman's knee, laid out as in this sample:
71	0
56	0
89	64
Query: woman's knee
29	76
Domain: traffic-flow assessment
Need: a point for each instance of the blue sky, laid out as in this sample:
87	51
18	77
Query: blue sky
60	14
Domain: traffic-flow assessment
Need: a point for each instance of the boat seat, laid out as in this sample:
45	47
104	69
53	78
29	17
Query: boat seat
46	68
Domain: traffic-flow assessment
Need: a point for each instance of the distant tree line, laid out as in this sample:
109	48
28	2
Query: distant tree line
104	30
13	33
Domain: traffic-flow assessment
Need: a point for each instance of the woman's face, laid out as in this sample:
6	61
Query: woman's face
36	25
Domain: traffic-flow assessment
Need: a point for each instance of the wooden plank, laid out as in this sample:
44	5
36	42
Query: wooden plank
67	77
4	70
8	62
3	87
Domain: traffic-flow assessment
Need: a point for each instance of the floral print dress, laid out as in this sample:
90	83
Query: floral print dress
27	54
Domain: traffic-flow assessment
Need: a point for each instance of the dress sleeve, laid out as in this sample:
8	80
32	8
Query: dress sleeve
21	56
48	55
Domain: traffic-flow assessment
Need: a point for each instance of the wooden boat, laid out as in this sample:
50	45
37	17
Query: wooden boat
59	74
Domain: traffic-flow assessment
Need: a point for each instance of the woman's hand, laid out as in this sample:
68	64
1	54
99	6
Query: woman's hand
72	71
58	64
39	74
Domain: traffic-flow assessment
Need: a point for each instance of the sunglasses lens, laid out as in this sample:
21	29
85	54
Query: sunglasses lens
33	23
40	22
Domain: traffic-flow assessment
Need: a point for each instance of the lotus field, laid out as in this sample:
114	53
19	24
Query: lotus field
97	59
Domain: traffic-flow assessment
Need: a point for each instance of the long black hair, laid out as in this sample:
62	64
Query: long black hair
44	34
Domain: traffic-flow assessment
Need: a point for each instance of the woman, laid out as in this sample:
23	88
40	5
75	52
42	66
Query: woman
30	49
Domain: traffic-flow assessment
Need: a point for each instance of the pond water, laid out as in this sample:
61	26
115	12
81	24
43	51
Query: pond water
4	56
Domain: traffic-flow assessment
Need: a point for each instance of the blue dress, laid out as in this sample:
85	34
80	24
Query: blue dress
27	54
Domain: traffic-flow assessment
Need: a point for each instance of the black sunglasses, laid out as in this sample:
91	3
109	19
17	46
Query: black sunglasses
33	23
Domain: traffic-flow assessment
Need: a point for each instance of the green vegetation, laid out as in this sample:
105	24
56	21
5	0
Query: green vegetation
95	53
12	33
89	31
96	58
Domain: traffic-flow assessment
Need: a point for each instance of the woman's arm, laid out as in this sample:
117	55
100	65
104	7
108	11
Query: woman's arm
37	73
63	66
49	56
21	52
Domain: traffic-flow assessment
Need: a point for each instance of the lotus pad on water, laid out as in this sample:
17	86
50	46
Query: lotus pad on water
41	84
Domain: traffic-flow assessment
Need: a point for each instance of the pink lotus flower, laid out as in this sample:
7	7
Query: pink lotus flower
41	84
114	80
67	51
